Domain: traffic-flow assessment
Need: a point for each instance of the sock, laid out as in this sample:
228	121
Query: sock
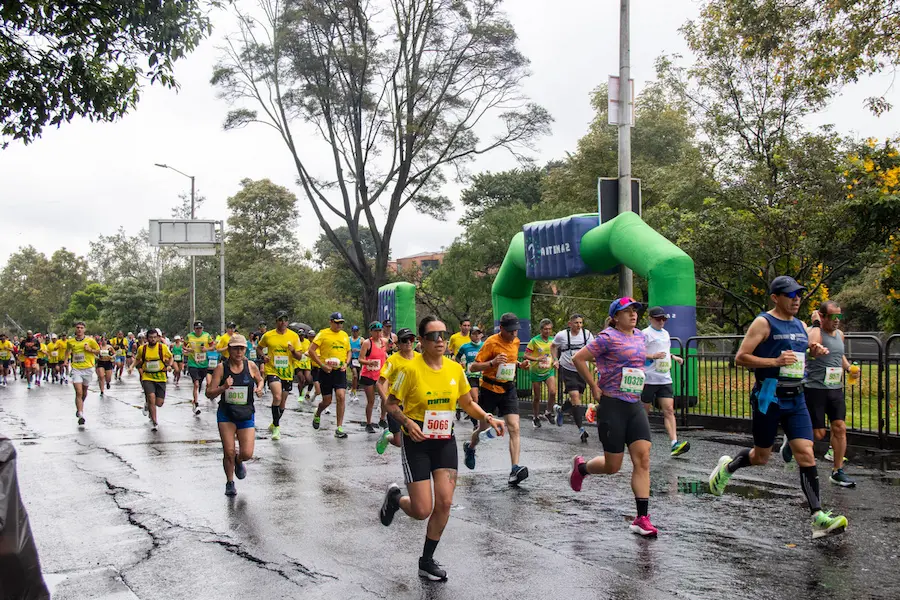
809	483
674	442
577	415
643	505
740	461
430	547
276	416
582	468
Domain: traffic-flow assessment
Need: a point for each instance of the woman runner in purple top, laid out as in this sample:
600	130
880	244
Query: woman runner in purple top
619	353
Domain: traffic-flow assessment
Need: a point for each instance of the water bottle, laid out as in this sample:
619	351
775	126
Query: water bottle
487	434
853	375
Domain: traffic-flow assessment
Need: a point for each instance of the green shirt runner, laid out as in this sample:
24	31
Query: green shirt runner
197	347
543	368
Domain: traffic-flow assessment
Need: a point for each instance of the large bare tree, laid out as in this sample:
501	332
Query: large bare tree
401	92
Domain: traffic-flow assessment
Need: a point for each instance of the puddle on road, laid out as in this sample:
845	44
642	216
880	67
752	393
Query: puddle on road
700	487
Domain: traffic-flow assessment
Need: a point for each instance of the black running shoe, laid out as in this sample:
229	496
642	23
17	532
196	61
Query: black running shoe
431	570
382	423
537	422
230	490
584	437
370	428
518	475
240	471
391	504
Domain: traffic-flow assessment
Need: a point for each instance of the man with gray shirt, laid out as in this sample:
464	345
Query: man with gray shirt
824	386
565	344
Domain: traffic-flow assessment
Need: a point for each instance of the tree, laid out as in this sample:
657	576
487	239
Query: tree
396	103
262	221
66	58
492	191
119	256
85	305
326	251
130	306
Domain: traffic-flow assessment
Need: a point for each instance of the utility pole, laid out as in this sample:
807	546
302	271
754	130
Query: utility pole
626	278
194	267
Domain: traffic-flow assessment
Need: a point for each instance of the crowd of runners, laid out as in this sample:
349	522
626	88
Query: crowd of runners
425	380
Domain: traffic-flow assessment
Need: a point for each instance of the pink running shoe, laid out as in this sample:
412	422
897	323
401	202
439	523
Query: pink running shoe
576	478
642	526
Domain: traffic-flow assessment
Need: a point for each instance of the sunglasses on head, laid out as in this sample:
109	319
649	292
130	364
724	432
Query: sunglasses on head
435	336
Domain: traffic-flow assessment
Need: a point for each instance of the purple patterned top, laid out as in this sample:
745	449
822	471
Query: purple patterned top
613	350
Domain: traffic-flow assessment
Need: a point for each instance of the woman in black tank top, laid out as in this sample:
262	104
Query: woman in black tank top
234	382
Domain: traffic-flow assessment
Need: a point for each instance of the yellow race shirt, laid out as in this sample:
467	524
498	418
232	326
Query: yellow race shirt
53	354
222	344
332	345
395	363
418	387
61	350
119	344
81	358
42	351
153	367
304	363
280	363
6	349
457	341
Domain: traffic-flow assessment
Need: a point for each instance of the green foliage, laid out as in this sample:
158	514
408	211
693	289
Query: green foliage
130	306
496	191
262	221
85	305
68	58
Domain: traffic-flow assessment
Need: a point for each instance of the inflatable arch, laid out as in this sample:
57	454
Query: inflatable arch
397	302
576	246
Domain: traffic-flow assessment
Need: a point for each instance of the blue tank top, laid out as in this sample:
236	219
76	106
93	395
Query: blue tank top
355	346
783	335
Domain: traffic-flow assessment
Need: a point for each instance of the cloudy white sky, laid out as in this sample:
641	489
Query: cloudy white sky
86	179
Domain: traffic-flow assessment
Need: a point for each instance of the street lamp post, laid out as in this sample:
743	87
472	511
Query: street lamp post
193	259
625	274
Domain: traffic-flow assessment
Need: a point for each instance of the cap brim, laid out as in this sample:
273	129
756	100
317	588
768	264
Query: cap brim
629	305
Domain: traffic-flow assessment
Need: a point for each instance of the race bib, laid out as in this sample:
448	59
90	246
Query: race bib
153	366
103	354
377	366
78	357
55	354
796	370
333	362
265	350
438	424
664	365
4	355
236	395
199	357
282	362
632	380
355	363
213	362
833	375
544	362
506	372
252	354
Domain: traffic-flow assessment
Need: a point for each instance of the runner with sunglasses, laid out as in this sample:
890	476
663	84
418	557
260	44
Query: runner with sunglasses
775	348
824	387
619	352
429	388
497	362
406	341
658	369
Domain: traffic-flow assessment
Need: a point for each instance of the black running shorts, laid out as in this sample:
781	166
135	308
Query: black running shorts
336	380
621	423
825	402
286	384
421	459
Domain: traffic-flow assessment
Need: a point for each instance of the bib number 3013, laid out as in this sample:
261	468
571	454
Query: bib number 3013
632	380
438	424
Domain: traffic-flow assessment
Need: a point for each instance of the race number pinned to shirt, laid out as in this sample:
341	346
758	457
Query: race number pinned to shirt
213	362
153	366
252	354
506	372
355	363
103	354
236	395
632	380
78	357
663	365
199	357
833	375
796	370
438	424
281	361
334	363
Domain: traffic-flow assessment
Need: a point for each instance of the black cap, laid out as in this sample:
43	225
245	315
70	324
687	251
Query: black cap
198	323
337	317
230	324
656	311
509	322
784	284
281	314
405	333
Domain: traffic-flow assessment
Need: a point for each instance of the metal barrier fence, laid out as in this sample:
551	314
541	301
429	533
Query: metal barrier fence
710	387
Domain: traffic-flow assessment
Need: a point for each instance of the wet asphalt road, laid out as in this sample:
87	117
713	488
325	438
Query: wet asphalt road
120	512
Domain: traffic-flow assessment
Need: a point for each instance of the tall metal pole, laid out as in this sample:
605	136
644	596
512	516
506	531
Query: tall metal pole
193	267
222	275
626	278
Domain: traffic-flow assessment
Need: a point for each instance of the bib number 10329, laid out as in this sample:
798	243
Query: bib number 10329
438	424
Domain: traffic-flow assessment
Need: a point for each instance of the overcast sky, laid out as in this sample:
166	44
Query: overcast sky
86	179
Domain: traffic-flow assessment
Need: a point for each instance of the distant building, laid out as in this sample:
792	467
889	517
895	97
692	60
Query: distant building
423	262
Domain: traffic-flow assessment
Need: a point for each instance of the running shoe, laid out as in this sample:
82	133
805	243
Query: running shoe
276	433
643	527
107	385
101	392
429	569
786	453
576	479
29	385
383	440
537	422
551	418
584	436
829	456
271	427
718	479
196	409
316	422
154	426
240	471
383	423
230	490
327	411
80	416
391	504
146	409
839	478
679	448
823	524
38	383
469	453
517	475
370	428
340	434
591	413
557	410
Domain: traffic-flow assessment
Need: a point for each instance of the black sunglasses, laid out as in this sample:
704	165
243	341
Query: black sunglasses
435	336
408	340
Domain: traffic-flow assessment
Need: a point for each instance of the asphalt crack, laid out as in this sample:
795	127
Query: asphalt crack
112	453
289	571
